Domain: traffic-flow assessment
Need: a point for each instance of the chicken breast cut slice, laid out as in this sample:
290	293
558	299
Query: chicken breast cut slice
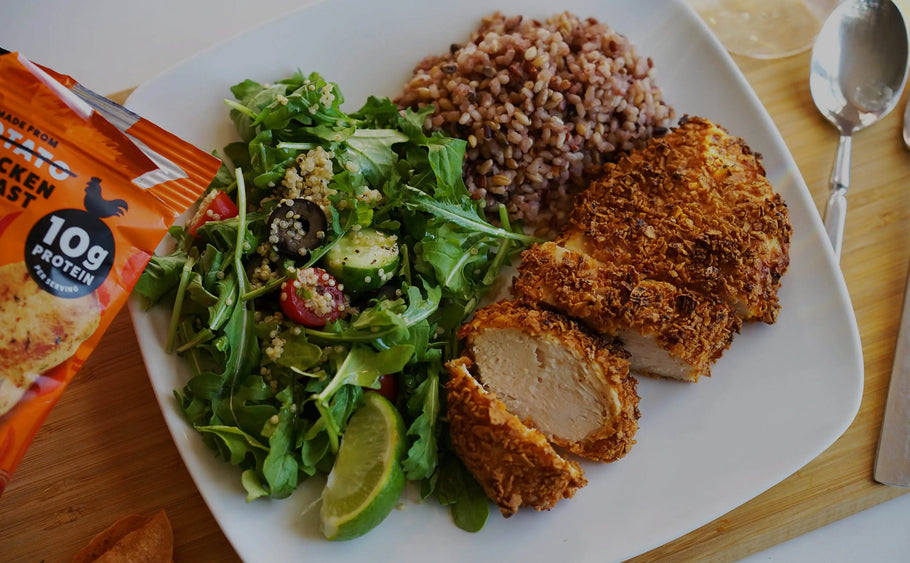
668	331
694	209
515	464
556	376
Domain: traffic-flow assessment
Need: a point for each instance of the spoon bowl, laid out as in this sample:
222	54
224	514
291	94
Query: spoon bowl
857	74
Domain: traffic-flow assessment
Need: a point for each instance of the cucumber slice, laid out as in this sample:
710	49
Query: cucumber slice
363	260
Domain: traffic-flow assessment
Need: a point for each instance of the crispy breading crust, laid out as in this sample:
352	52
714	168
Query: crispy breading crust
615	438
692	208
694	328
514	464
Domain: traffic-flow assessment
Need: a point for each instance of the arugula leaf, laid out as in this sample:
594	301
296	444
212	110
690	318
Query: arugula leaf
280	466
161	275
361	367
411	123
420	462
197	411
210	263
446	156
243	349
385	321
205	386
252	485
370	152
453	264
239	155
460	213
313	444
246	90
192	340
299	354
418	307
472	508
246	406
243	352
221	311
223	234
185	274
223	178
197	291
456	487
238	442
378	113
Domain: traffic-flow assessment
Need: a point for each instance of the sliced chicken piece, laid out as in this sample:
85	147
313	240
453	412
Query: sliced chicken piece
514	464
692	208
556	376
668	331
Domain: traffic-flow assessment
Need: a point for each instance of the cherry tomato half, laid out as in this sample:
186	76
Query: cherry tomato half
313	298
215	207
388	387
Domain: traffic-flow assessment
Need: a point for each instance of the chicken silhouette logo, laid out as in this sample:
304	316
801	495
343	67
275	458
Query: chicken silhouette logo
100	207
69	252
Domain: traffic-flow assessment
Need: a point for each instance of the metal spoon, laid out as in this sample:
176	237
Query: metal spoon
859	66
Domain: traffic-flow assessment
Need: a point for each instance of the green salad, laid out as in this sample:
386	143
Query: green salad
340	254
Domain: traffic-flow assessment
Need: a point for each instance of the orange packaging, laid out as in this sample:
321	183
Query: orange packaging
87	191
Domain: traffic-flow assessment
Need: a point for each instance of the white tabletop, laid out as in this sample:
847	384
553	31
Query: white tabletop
112	45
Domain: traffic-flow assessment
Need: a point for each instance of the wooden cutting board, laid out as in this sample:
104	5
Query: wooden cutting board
105	451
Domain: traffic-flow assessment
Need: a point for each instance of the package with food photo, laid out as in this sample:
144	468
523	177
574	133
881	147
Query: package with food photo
87	191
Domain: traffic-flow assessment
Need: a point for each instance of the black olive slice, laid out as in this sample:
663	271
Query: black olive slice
296	226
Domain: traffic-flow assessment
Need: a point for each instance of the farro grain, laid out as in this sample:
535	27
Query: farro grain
543	105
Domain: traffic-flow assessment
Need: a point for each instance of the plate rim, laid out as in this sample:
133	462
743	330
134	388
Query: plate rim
137	314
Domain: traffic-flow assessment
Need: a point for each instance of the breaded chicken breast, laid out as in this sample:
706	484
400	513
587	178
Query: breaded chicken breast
668	331
556	376
694	209
514	464
40	330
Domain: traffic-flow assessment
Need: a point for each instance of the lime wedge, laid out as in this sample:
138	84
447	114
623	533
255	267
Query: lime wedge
367	480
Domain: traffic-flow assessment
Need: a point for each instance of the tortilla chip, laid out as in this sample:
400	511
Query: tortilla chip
133	539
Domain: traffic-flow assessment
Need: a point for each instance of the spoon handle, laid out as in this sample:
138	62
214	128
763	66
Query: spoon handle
836	211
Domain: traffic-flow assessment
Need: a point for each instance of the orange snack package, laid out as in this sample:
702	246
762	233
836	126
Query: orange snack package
87	191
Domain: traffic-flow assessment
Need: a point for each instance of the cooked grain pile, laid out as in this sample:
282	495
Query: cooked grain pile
542	105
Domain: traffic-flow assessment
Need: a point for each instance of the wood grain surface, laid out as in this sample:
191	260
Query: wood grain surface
104	451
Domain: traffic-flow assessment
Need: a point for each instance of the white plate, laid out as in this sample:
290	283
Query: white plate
778	398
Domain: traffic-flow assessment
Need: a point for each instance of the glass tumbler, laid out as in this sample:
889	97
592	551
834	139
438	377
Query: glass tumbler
764	29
